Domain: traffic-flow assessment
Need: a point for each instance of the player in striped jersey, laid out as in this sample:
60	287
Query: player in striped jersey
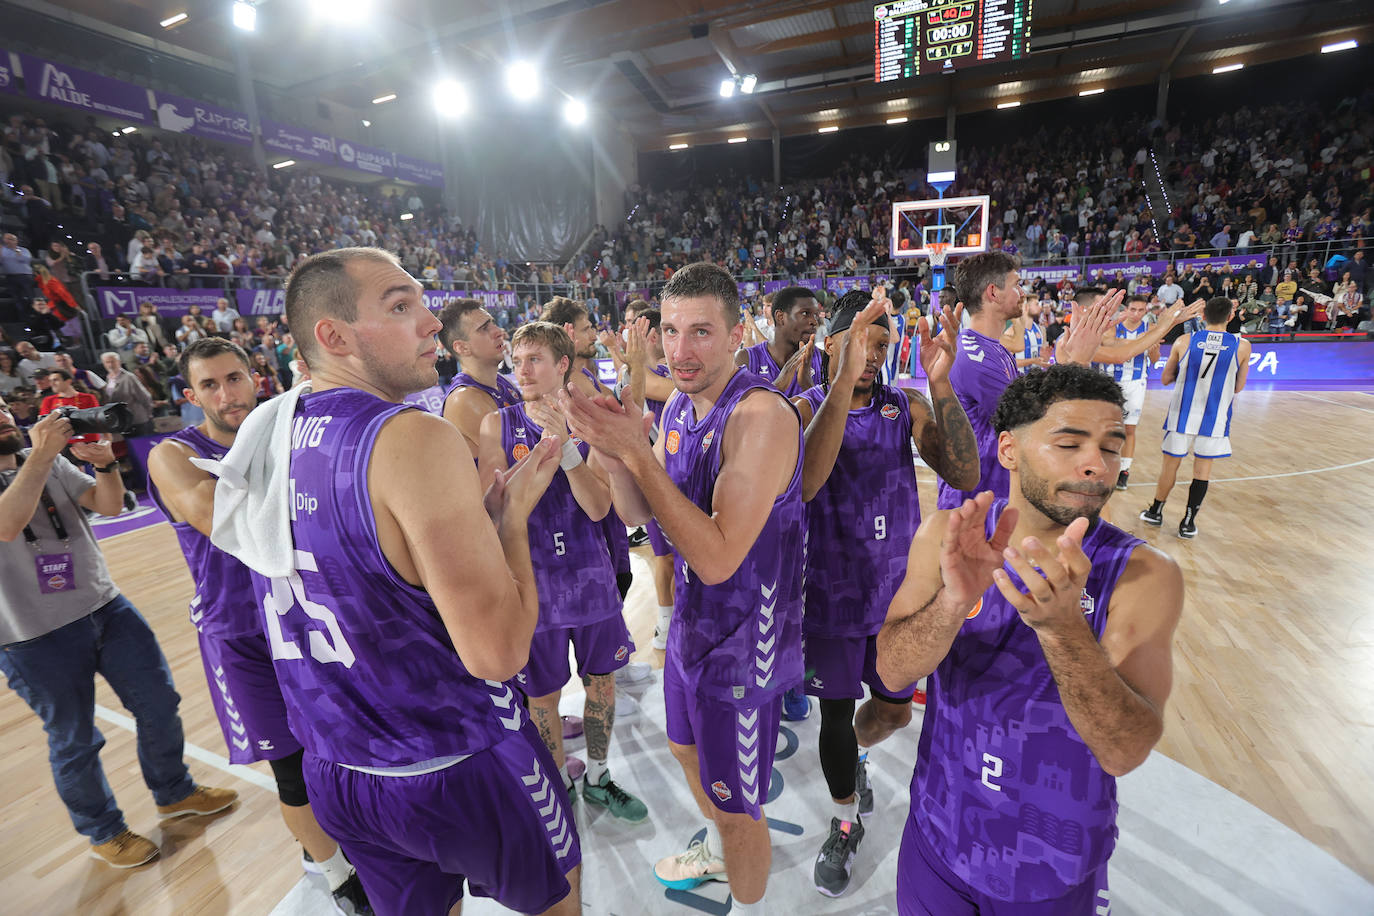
1130	375
1210	368
1025	338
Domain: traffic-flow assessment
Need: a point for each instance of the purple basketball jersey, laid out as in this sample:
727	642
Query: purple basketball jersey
504	394
860	523
657	406
982	370
737	642
367	669
1004	789
761	362
223	606
572	566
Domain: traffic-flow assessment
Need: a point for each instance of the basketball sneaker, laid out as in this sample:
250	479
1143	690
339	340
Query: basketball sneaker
686	870
862	787
1187	526
1153	516
202	800
128	850
1122	480
639	537
607	794
349	899
796	705
633	672
836	861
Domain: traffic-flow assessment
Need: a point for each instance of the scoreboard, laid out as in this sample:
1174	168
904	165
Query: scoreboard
914	37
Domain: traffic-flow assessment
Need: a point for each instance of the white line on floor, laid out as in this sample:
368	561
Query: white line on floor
195	752
1316	397
1336	467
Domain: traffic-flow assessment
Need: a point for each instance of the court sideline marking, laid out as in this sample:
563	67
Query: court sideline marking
1316	397
195	752
1334	467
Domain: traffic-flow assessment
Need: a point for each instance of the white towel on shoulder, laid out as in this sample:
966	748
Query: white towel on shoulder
252	520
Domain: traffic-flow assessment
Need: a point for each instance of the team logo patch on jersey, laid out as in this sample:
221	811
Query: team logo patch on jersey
977	608
1085	601
721	790
890	411
520	451
708	439
621	653
674	442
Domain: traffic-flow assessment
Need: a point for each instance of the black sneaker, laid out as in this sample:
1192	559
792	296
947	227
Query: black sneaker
1187	527
836	861
351	900
862	788
1121	479
639	537
1153	516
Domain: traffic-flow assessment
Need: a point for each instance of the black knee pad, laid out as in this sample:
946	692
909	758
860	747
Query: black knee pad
290	780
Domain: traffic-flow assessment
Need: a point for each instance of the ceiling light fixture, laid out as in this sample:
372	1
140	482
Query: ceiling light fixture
737	140
828	130
1001	105
245	15
677	146
896	120
1228	68
284	164
383	99
1092	91
747	84
1340	46
727	88
176	20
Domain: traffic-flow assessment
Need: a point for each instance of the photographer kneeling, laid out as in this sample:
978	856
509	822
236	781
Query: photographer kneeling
62	620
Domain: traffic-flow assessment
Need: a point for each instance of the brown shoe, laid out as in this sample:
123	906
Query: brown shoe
128	850
203	800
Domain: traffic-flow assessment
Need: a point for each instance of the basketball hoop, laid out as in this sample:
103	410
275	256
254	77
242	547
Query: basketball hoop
937	250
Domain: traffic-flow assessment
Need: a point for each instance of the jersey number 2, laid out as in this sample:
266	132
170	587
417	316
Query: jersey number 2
992	768
288	593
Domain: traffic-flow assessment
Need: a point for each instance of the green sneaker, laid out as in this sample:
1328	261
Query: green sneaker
614	799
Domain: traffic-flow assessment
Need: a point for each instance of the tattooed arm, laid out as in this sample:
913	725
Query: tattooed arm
941	430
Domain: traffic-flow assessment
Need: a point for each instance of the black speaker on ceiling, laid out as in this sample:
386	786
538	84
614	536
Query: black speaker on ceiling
701	30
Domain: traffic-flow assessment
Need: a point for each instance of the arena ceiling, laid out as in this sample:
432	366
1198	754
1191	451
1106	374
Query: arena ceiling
656	65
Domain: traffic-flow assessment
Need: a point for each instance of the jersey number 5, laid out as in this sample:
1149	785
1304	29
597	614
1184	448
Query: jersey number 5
287	593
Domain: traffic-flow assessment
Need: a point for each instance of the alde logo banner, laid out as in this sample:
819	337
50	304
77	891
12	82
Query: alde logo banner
187	116
49	81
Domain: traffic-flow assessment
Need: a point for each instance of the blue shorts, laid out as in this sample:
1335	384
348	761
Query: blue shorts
603	647
734	744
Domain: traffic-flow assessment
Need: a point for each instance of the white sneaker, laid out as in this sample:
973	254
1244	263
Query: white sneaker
625	705
661	631
633	673
691	868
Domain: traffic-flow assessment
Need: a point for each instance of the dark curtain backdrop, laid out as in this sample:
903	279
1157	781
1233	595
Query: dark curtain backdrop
525	186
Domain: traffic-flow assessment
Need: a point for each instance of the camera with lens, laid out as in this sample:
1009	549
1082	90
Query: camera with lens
111	418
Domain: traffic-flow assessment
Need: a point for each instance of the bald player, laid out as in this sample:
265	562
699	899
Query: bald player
1046	633
736	524
395	661
471	335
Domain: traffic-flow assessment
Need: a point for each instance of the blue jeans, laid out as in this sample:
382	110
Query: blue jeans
55	675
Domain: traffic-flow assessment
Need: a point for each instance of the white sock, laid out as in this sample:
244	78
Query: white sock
665	612
595	770
563	772
746	909
713	840
335	869
1125	464
847	812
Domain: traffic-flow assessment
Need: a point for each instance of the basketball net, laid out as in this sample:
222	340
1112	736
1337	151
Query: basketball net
938	250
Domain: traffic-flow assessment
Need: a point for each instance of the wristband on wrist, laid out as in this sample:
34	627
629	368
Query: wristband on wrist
571	456
107	469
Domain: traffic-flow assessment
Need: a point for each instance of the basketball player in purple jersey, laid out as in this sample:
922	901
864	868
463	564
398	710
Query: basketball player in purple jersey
573	317
408	605
1049	665
789	361
988	286
470	334
736	524
228	621
859	482
651	384
578	604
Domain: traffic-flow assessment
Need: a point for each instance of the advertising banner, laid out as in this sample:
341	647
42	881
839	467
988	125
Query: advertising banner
298	143
841	285
8	82
201	119
81	89
814	283
408	168
114	301
490	298
369	159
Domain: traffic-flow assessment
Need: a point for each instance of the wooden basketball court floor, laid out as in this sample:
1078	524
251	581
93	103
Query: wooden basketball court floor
1259	798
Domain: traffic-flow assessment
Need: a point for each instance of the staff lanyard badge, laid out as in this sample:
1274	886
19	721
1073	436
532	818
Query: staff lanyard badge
55	571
